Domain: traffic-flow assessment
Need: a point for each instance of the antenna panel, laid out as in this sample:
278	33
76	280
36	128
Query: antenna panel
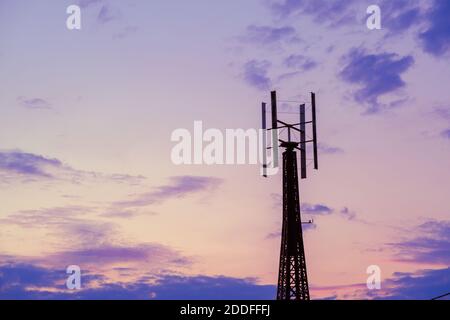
314	129
302	142
264	139
273	98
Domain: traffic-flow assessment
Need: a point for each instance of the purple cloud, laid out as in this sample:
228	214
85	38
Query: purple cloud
100	255
33	103
125	213
57	216
17	279
331	12
125	32
19	166
316	209
24	163
436	38
298	61
107	14
400	15
442	112
266	35
327	149
27	281
68	224
431	246
420	285
89	243
305	227
87	3
255	74
347	213
213	288
377	74
446	134
21	280
397	16
179	187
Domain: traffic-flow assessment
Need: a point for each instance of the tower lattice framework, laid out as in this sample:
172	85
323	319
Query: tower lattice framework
292	277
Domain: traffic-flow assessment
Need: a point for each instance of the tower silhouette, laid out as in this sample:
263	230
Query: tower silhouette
292	276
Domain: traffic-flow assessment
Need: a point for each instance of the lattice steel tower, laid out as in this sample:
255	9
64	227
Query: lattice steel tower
292	276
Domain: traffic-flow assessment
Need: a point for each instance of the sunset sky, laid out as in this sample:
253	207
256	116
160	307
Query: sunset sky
86	118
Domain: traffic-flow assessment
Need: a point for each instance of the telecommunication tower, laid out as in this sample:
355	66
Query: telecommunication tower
292	276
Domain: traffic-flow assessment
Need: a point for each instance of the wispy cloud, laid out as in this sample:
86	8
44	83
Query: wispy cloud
377	74
125	32
27	164
153	255
33	103
88	3
268	35
305	227
78	238
127	213
442	112
446	133
107	14
179	187
82	240
330	12
324	210
256	74
67	224
347	213
431	246
400	15
20	166
316	209
300	62
324	148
